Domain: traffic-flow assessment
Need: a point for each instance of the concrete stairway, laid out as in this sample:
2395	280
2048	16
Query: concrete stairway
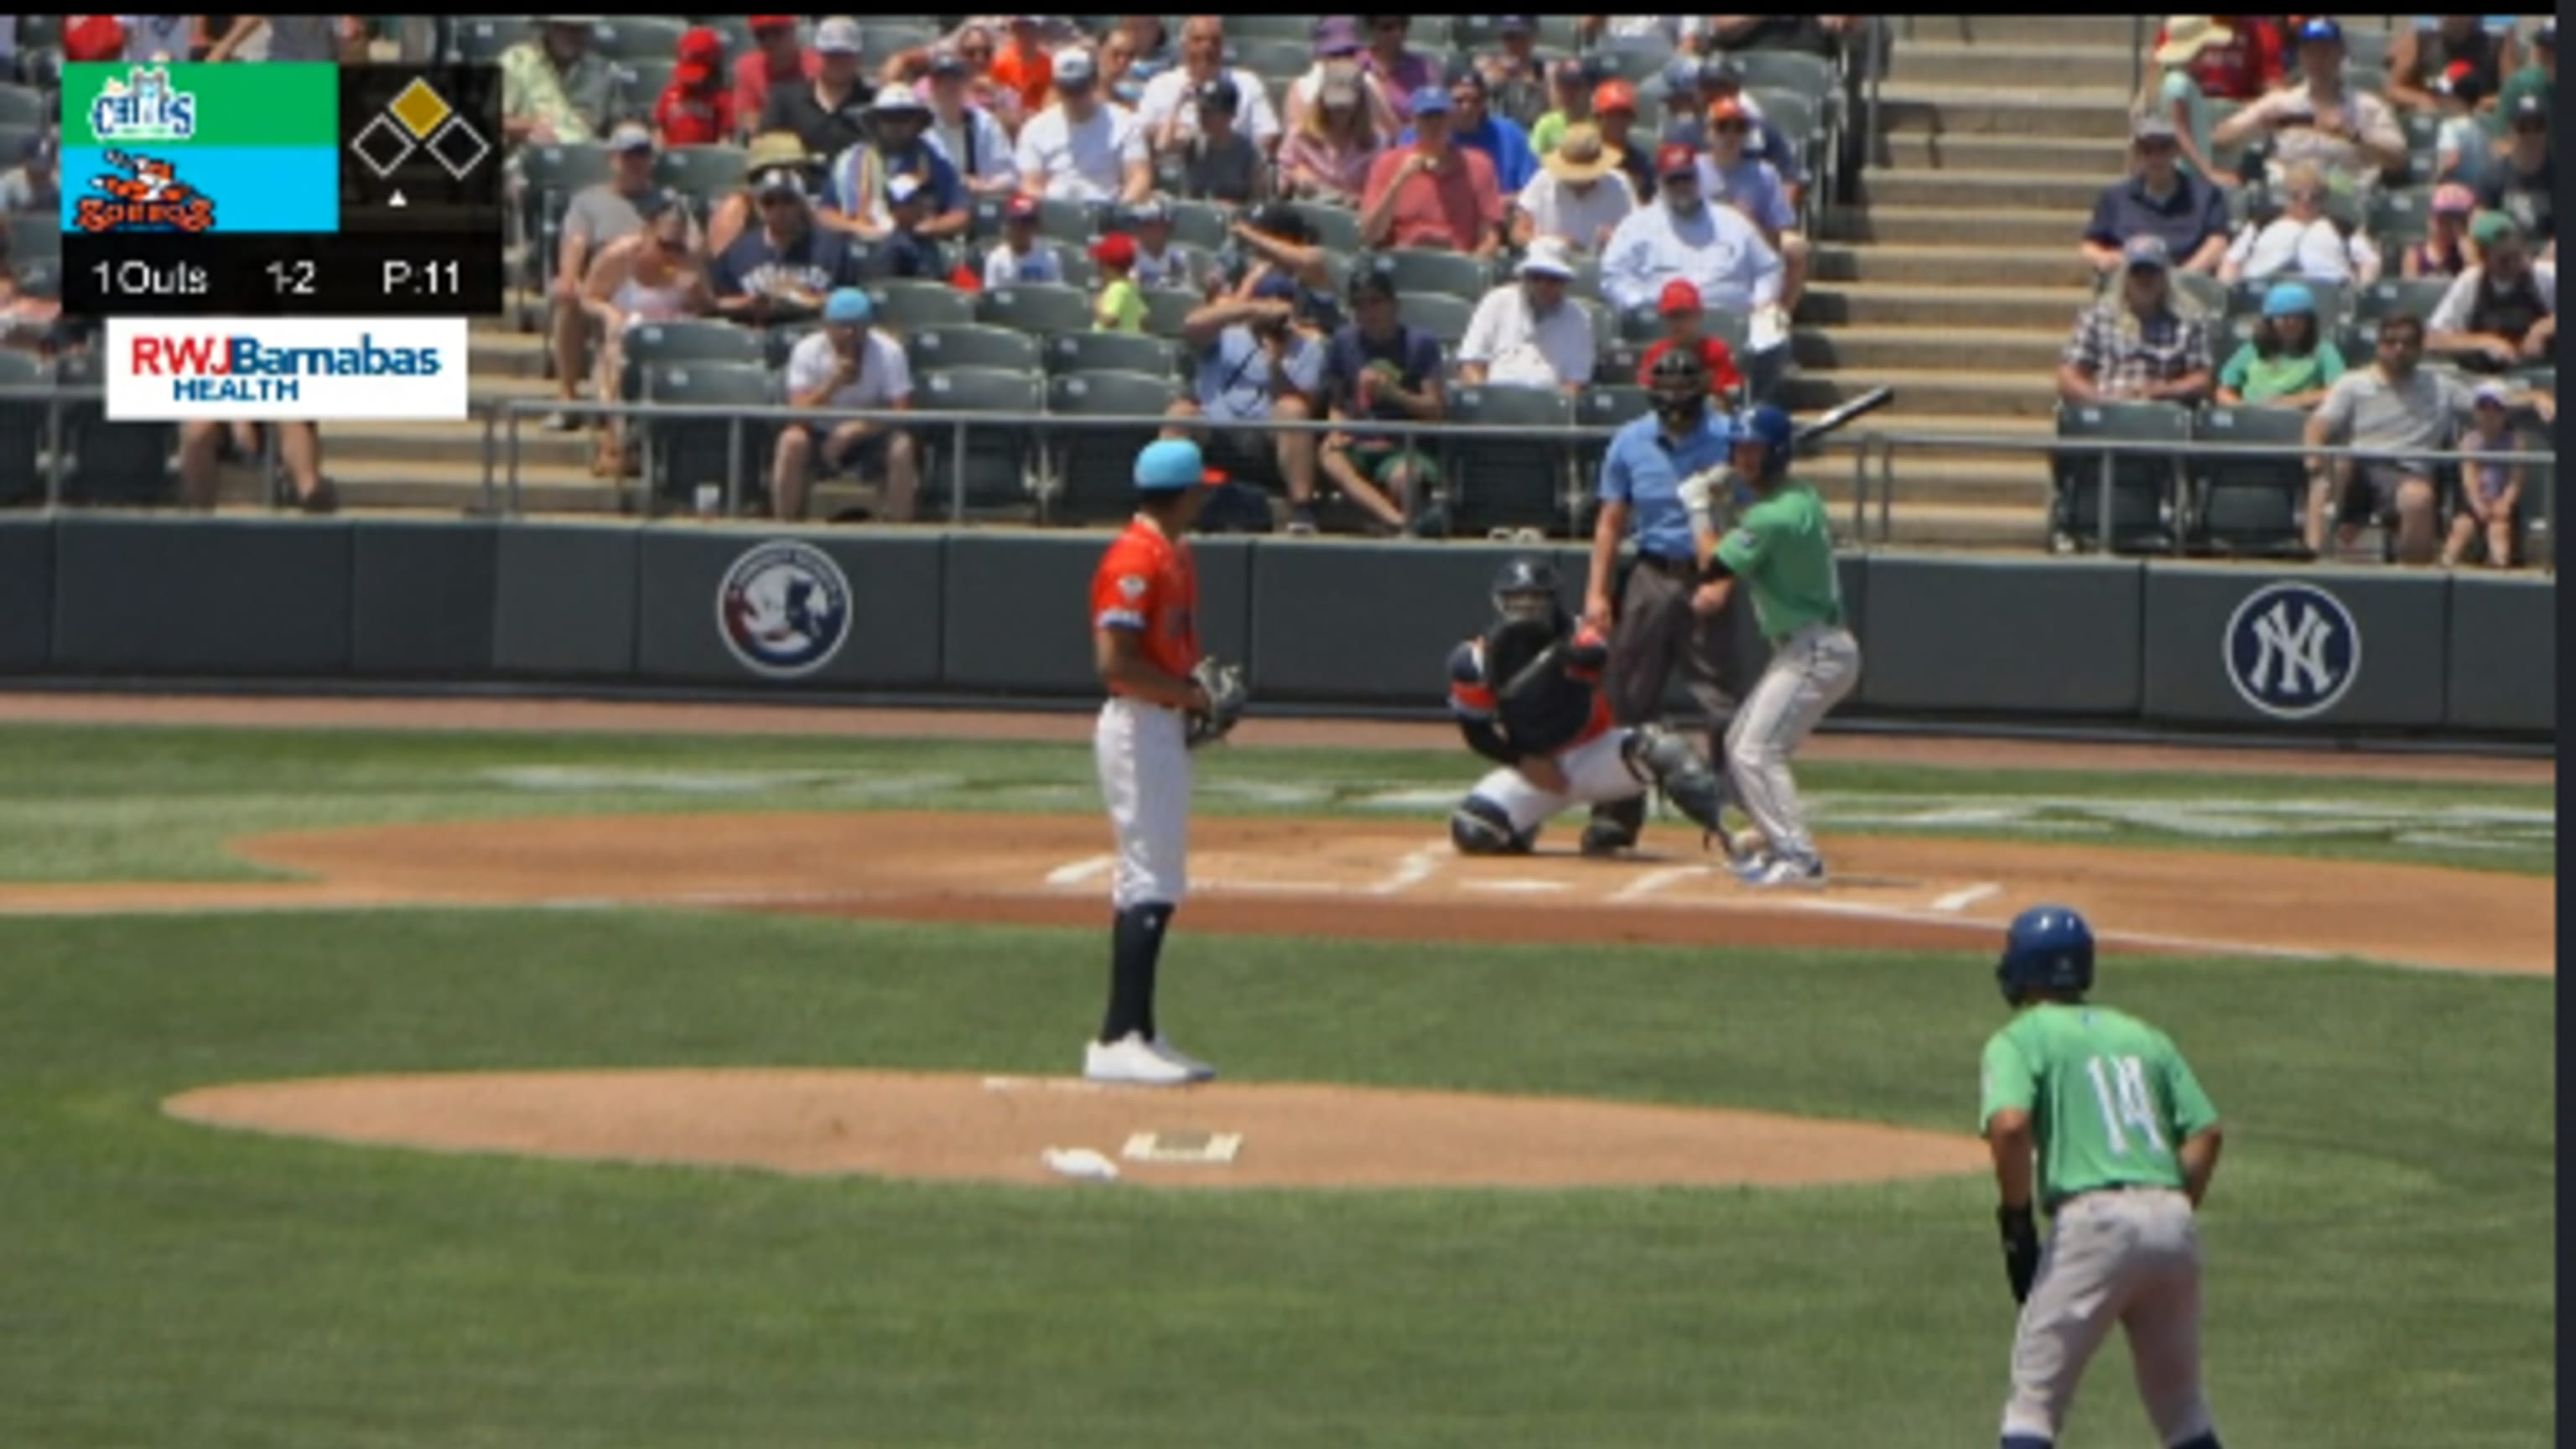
1954	276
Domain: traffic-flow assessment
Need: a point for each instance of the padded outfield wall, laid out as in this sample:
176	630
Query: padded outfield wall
998	613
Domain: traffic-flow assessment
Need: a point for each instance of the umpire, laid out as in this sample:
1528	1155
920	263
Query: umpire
1655	628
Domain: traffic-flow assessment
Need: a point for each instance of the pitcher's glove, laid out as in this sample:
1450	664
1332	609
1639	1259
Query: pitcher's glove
2021	1249
1224	686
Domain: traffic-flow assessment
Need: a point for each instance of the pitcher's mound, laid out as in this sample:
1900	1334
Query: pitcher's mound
994	1129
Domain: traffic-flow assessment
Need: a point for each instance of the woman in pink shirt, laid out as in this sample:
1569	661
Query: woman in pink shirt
1326	158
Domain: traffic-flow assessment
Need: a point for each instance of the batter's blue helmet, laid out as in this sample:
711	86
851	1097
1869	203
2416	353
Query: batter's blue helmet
2048	948
1769	426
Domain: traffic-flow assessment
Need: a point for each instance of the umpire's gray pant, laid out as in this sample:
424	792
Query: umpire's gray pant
1655	633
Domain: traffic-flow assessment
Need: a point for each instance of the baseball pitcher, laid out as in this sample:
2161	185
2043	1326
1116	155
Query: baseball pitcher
1527	695
1781	550
2125	1142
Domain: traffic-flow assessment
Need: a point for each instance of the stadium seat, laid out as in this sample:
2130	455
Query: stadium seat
14	136
628	38
1277	61
1201	224
1081	352
1069	221
903	305
1444	317
681	453
1507	482
2204	289
932	348
734	30
41	276
24	106
1636	61
2245	298
112	464
1452	273
2400	297
34	234
1166	309
996	461
22	428
1808	75
687	339
1336	228
553	174
2144	487
646	77
1035	307
1093	468
2250	505
2400	216
479	40
1240	28
701	173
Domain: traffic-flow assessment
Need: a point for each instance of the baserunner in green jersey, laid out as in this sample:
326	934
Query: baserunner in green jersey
1781	550
2096	1116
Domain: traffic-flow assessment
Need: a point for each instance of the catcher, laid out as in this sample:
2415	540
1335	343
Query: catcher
1527	695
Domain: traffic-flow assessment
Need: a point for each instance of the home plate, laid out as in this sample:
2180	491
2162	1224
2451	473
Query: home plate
1516	887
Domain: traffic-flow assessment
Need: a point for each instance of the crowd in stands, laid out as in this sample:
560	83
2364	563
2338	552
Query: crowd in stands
1354	217
2305	229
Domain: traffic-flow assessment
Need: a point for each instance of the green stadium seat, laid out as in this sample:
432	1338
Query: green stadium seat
1240	28
997	460
1276	60
1201	224
629	38
681	453
1444	317
2400	297
35	234
879	40
1069	221
110	464
904	305
688	339
1418	272
646	77
24	106
1811	76
1127	352
2250	505
701	173
1035	307
2144	487
931	349
1336	228
479	40
1093	469
1507	482
2202	288
2400	216
1167	309
2245	298
22	427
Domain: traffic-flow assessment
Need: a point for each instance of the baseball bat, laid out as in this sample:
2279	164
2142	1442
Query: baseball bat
1841	414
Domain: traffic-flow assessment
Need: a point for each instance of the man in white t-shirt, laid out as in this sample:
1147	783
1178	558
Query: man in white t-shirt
1578	197
848	364
1082	148
1525	333
1170	102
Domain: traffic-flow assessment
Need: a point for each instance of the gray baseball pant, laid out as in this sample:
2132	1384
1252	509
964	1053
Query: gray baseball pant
1810	672
1655	633
2130	1258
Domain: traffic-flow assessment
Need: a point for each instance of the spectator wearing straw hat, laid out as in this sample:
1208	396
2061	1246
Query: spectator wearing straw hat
2230	57
1578	198
897	124
781	268
1526	333
2202	59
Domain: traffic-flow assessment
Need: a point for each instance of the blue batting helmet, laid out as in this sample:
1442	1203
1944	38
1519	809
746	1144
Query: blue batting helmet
1770	428
2048	948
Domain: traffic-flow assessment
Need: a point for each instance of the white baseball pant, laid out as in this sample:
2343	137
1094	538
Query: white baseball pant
1811	670
1145	780
2130	1258
1596	772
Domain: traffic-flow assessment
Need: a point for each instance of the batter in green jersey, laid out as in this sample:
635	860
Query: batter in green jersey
1782	552
2095	1115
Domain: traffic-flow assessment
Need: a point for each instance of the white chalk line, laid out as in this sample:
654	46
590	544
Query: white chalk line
1655	880
1417	866
1076	872
1516	887
1961	900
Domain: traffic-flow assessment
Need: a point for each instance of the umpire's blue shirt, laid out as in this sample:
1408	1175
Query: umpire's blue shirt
1644	469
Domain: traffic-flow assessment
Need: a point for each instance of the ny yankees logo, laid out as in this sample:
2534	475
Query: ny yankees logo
2291	650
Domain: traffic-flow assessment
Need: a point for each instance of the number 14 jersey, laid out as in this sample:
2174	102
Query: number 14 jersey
2110	1097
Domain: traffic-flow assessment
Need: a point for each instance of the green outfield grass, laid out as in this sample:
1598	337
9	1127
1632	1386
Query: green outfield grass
115	803
2380	1241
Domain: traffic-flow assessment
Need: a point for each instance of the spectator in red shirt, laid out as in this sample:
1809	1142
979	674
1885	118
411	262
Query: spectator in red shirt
1025	68
2248	62
1433	194
1684	322
777	60
696	108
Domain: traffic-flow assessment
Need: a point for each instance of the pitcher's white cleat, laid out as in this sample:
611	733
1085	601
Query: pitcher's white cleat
1199	1071
1132	1061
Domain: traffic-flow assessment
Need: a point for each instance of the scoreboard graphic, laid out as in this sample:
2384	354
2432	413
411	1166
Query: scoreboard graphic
281	190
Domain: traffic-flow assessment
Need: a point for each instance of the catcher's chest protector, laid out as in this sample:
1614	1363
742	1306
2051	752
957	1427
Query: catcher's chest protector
1551	708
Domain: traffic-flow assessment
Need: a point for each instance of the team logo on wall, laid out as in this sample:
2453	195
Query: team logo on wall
784	609
2292	650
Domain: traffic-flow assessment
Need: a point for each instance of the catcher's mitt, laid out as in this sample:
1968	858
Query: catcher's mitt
1226	696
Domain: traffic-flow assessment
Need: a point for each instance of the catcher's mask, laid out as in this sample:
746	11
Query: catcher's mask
1678	384
1525	592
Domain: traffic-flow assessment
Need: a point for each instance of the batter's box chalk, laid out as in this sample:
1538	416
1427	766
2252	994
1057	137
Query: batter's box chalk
1079	1163
1193	1148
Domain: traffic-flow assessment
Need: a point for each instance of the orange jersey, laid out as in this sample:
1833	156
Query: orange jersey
1149	583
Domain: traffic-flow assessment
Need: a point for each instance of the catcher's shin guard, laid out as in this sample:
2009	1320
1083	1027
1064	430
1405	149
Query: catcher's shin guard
1666	761
1480	827
1614	826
